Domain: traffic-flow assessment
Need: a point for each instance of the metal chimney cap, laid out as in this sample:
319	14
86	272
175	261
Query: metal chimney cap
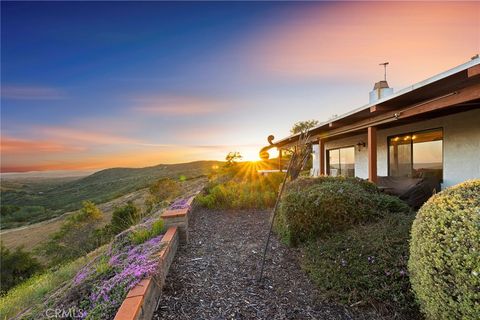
380	85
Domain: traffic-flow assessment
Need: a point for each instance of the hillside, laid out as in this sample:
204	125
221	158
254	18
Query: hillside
26	203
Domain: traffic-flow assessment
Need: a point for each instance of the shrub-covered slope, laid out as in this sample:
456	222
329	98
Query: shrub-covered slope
99	187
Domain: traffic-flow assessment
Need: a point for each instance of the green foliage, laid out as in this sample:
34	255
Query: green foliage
33	291
306	182
8	209
16	266
165	189
303	126
445	253
141	235
77	236
315	207
232	188
23	215
366	266
158	227
124	217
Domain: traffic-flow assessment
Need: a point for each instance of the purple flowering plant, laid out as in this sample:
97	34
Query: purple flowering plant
100	287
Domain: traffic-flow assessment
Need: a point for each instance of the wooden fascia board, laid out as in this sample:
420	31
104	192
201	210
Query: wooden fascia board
473	71
443	102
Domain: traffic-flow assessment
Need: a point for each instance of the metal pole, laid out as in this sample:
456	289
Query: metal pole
273	216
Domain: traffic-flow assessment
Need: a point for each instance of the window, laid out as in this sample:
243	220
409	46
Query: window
416	154
341	162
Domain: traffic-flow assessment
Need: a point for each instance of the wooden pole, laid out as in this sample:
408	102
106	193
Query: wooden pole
321	156
280	159
372	154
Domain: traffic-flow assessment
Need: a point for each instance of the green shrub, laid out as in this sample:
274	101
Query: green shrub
165	189
77	236
141	235
158	227
235	190
16	267
8	209
315	207
124	217
306	182
366	266
32	292
445	253
387	203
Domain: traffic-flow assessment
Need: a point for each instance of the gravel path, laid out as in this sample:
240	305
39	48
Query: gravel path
214	276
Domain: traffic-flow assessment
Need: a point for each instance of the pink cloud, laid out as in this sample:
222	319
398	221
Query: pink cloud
73	135
176	106
31	93
11	145
346	41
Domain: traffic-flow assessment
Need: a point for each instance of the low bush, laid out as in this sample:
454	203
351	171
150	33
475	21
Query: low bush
77	236
33	291
8	209
306	182
141	235
124	217
366	266
16	266
165	189
445	253
241	187
316	207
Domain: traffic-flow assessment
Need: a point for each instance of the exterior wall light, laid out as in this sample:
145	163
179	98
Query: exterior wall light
360	145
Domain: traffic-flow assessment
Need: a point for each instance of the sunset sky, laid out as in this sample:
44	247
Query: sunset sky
100	84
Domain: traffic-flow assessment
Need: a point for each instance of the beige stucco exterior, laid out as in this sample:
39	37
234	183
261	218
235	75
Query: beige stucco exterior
461	147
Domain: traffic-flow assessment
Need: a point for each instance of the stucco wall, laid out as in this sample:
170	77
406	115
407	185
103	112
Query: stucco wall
461	146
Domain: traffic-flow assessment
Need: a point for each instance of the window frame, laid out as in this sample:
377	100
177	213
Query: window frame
411	147
338	148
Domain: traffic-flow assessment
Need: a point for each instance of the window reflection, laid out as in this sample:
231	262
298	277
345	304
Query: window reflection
341	162
417	155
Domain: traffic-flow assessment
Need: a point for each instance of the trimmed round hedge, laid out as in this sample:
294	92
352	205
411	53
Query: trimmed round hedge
315	207
444	259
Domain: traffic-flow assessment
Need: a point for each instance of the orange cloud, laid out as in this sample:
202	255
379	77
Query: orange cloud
10	145
343	41
176	106
40	156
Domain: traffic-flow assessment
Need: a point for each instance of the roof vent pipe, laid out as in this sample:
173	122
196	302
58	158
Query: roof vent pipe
381	88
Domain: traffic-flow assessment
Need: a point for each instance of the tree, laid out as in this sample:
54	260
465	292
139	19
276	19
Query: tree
232	157
17	266
303	126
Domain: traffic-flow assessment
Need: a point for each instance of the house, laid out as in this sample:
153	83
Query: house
429	128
